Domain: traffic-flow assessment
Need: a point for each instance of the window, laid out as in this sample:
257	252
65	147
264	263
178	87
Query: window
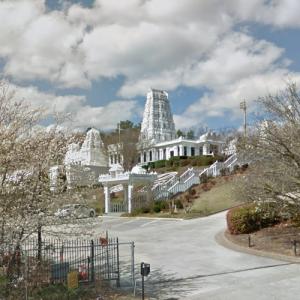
145	156
185	150
150	155
171	153
178	151
165	154
111	159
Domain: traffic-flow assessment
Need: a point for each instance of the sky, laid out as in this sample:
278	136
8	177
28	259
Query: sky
95	60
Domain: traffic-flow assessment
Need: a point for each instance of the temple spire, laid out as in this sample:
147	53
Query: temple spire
158	124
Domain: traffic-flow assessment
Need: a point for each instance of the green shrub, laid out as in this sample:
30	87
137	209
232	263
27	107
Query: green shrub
158	206
151	165
236	169
204	178
192	192
160	164
98	210
245	219
185	162
224	171
194	162
178	204
244	167
169	163
250	218
145	210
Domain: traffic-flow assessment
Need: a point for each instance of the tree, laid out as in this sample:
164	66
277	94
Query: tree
125	139
190	134
273	150
27	151
126	124
180	133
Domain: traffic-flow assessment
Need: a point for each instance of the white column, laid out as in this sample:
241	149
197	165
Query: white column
205	149
181	150
161	155
107	199
130	187
125	189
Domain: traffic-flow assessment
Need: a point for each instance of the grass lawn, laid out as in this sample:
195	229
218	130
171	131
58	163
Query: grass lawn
220	197
208	198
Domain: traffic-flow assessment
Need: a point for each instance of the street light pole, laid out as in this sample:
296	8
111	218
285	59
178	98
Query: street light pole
243	106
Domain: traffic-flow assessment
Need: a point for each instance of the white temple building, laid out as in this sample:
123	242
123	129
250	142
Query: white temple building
91	153
83	164
157	141
158	136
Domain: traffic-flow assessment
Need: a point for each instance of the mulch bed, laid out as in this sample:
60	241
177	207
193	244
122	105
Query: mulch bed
277	239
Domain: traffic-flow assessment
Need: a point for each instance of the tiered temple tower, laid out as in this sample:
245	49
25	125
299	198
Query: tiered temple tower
92	150
158	125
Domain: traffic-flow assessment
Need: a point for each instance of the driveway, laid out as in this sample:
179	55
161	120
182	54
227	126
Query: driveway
187	262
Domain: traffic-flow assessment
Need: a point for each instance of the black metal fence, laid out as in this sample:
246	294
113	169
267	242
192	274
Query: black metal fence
50	261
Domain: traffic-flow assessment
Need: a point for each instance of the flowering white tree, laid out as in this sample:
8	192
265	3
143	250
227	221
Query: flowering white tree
27	152
273	150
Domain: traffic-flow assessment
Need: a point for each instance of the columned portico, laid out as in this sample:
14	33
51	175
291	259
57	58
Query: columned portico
128	180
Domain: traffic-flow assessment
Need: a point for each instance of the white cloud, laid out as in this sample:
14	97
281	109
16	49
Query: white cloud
150	43
105	117
82	114
277	13
228	98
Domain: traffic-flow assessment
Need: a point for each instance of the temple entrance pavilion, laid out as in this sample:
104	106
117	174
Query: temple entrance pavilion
128	179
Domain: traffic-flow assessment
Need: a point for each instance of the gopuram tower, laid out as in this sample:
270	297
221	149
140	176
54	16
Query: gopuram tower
158	125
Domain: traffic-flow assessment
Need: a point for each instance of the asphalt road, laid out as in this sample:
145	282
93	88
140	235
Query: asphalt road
187	262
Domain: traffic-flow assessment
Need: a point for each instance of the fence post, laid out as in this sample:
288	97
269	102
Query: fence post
92	256
132	266
107	256
39	233
118	264
26	275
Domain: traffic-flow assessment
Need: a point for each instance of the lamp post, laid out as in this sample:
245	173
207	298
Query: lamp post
243	106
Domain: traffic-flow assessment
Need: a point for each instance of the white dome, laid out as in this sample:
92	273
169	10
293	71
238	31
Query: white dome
204	137
138	170
116	168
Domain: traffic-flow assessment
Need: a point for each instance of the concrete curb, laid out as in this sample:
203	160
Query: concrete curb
222	240
143	218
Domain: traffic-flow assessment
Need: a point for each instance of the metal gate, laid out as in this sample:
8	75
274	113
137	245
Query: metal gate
50	261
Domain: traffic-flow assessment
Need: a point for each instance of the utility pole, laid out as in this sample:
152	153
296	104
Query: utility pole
119	131
243	106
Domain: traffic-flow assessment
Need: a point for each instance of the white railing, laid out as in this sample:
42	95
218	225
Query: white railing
177	184
231	162
191	177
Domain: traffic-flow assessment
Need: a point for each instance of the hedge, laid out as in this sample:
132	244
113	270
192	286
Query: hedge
250	218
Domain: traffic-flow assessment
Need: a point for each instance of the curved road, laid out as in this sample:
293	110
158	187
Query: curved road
187	262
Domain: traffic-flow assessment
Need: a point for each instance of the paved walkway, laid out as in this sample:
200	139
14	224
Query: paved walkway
188	263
